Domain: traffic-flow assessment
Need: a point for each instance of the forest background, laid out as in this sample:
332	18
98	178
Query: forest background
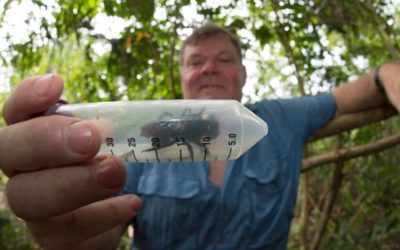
129	50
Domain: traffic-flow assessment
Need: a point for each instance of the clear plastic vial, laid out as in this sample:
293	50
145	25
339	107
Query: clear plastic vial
171	130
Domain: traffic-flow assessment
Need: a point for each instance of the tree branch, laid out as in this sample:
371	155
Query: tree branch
334	187
285	40
305	206
345	154
378	22
171	77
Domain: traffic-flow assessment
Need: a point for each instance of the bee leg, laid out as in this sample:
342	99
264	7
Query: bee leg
148	150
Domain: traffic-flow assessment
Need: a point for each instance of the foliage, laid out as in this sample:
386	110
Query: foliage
297	47
13	234
366	215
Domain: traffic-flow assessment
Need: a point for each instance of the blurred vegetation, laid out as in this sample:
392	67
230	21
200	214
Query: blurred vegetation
296	47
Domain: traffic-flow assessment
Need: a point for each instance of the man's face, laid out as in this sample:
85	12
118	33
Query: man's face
211	69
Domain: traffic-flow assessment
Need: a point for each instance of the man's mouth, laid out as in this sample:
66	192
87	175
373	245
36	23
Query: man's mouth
210	86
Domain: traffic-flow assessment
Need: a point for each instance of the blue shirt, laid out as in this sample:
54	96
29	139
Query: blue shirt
254	206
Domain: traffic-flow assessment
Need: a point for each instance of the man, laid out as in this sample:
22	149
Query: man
67	196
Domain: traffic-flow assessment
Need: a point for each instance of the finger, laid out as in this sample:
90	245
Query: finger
107	240
68	231
33	95
47	141
52	192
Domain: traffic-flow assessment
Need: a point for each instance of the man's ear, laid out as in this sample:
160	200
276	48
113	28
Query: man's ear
243	76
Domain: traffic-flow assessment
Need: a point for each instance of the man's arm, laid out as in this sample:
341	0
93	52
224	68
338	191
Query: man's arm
363	94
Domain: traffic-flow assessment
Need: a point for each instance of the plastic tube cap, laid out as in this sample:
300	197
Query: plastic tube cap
254	129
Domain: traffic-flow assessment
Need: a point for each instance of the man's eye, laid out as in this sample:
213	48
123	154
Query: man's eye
226	59
195	62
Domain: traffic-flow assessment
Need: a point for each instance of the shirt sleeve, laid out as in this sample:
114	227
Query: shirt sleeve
302	115
313	111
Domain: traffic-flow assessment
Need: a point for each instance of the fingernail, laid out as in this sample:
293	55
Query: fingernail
43	85
134	202
108	174
79	137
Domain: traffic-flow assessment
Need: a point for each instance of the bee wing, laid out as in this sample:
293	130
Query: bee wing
165	116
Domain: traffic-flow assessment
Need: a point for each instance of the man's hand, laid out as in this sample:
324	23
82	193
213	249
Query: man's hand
65	194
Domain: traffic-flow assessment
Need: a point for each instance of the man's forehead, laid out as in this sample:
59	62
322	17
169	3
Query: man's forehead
217	43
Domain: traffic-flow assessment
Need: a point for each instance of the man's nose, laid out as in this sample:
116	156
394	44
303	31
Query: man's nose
210	67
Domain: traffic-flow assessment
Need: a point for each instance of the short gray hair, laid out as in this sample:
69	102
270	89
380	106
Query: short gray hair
209	30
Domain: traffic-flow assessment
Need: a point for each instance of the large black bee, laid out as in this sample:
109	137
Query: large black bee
187	128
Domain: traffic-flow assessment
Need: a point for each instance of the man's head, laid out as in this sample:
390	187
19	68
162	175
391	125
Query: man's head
211	65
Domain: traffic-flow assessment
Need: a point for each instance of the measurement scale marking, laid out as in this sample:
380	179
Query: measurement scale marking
205	153
134	156
155	150
229	155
